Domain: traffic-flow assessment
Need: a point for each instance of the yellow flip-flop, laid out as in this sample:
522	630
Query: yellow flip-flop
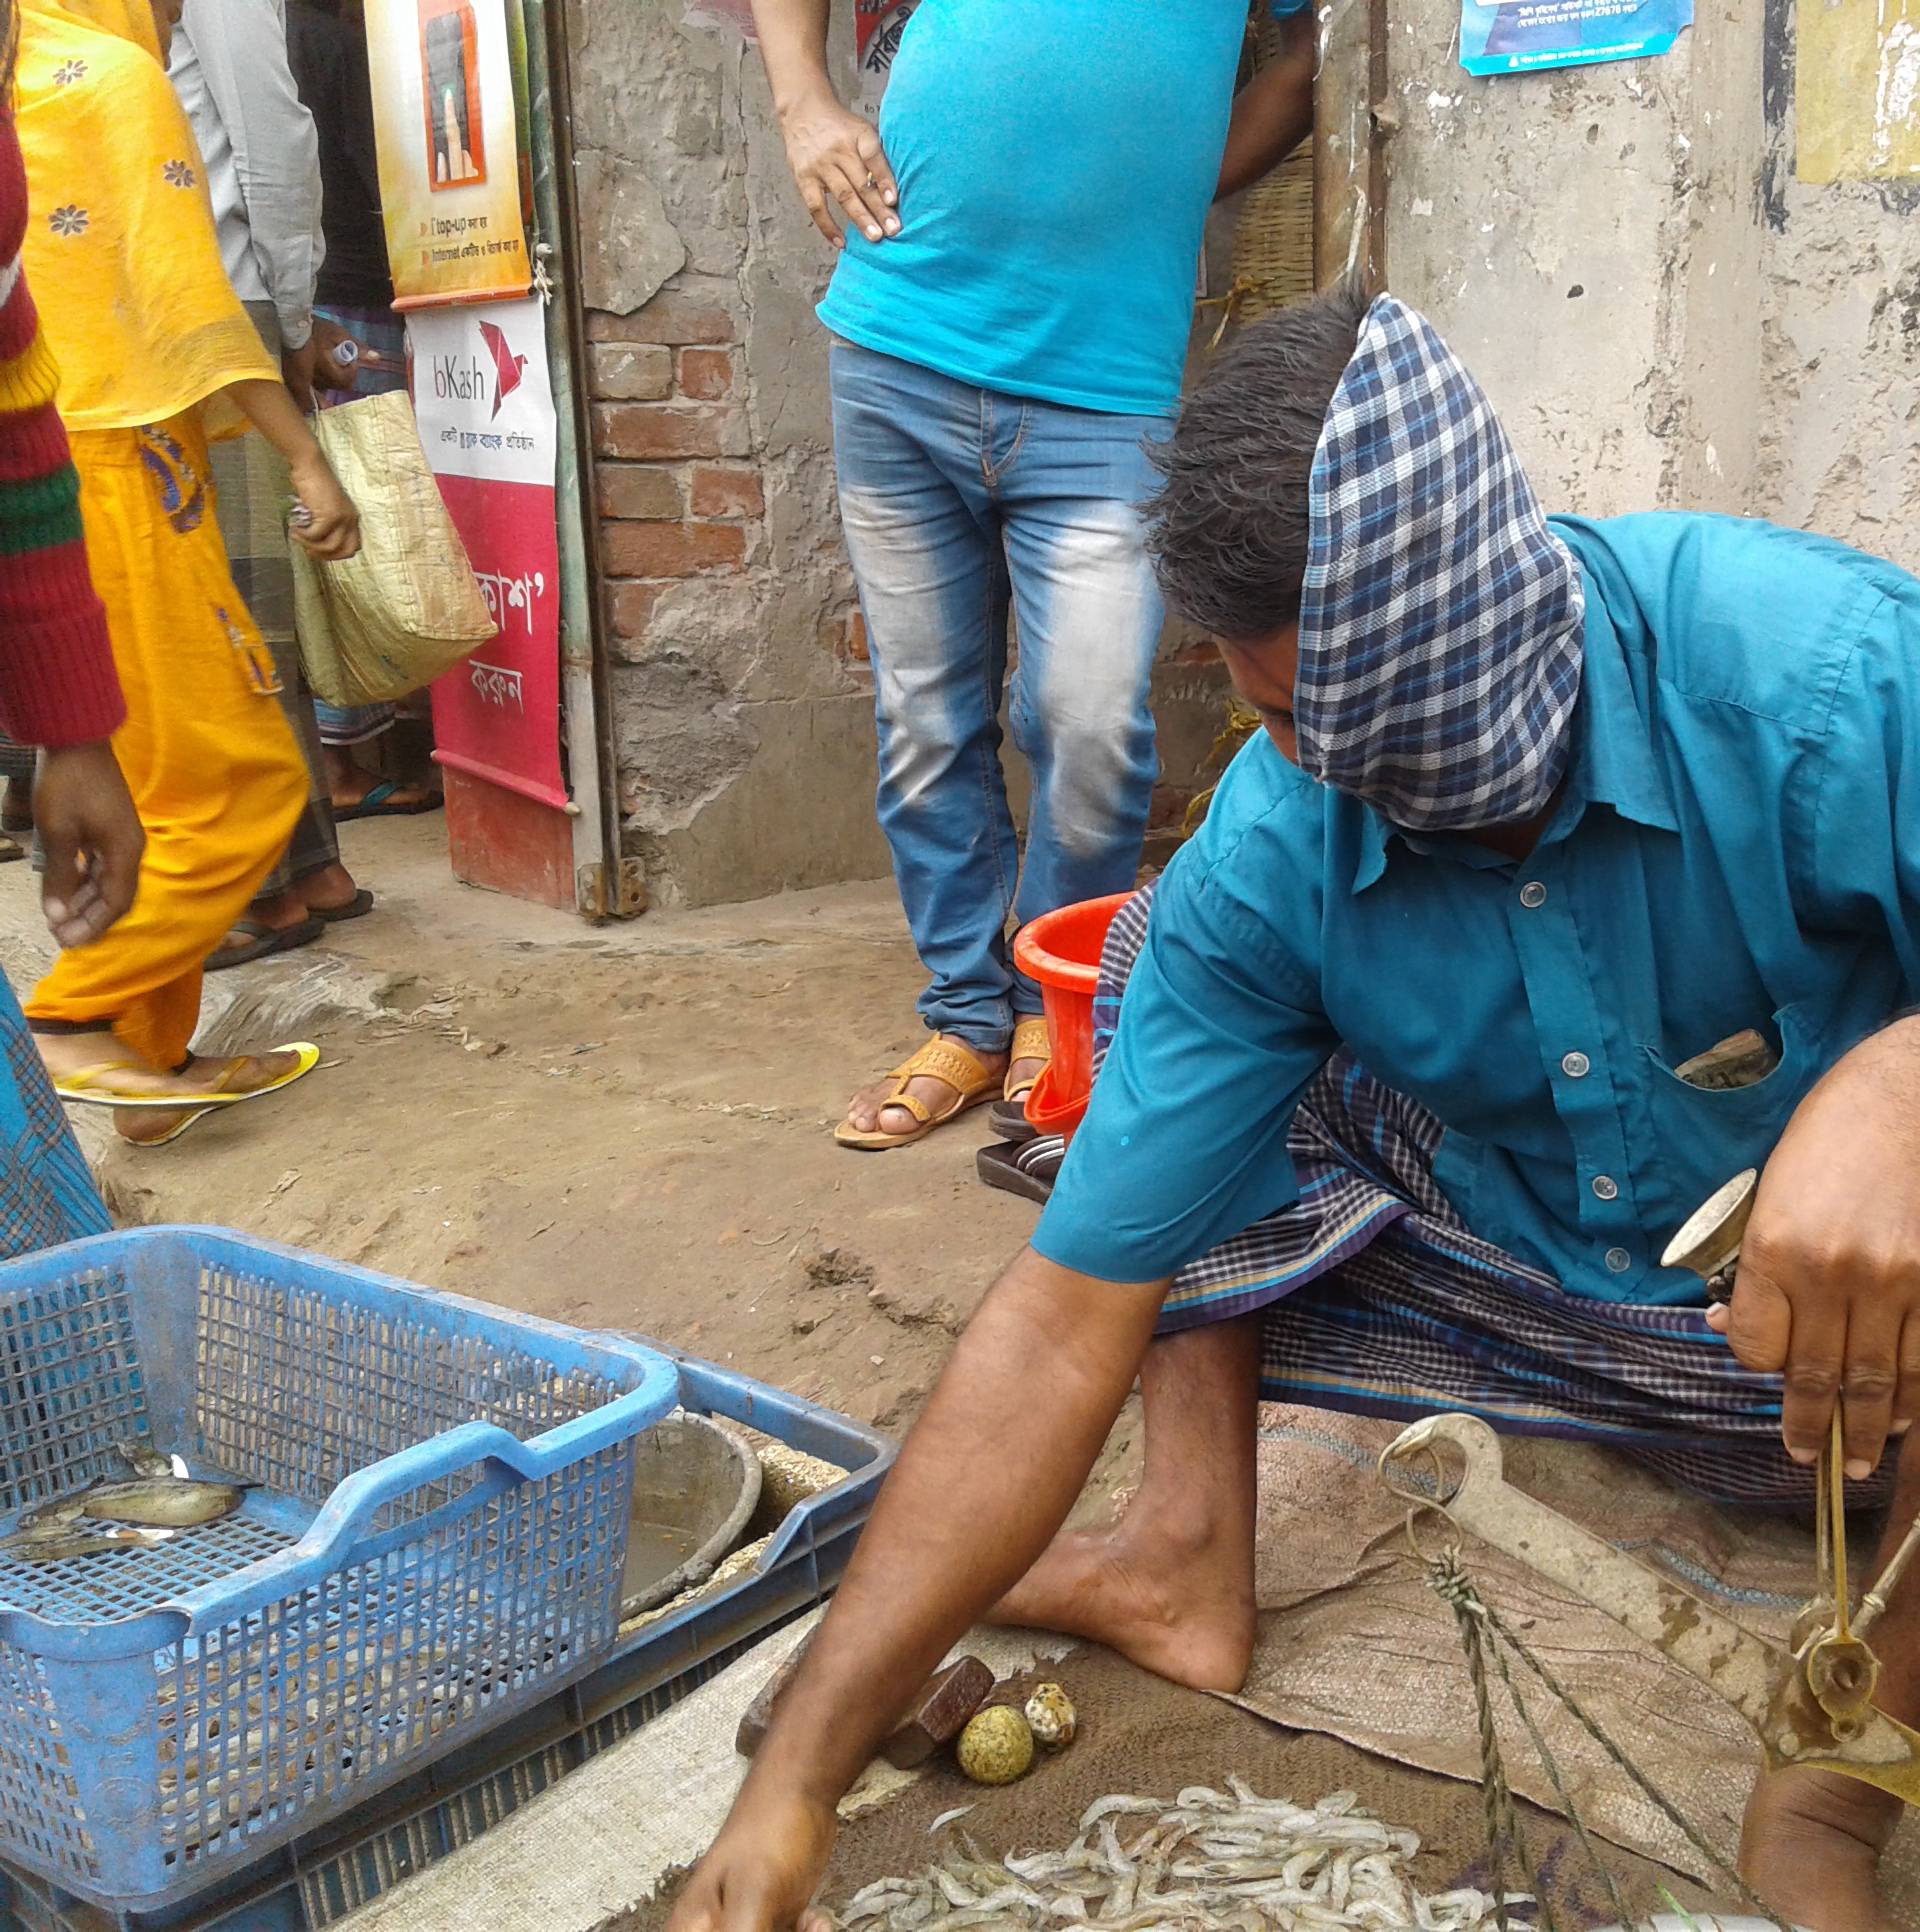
91	1086
192	1117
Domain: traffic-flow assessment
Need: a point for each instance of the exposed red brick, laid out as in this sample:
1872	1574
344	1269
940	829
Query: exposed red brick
705	374
648	432
671	549
667	318
727	493
630	609
638	490
629	372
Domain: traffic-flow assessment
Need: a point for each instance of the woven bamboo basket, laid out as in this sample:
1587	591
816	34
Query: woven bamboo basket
1273	244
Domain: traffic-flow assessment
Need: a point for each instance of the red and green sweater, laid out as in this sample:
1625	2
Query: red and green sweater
57	681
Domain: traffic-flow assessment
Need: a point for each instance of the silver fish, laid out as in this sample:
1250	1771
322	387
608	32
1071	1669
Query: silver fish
163	1503
1213	1861
60	1509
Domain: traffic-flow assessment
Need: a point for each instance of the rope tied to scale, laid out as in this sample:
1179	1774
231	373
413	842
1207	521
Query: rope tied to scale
1487	1639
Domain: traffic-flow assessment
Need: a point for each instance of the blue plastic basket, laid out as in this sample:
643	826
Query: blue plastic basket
435	1542
323	1875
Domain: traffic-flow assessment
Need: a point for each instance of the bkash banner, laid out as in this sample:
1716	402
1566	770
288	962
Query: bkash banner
485	409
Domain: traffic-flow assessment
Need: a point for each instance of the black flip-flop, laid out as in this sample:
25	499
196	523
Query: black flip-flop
378	803
356	908
1010	1122
262	941
1028	1171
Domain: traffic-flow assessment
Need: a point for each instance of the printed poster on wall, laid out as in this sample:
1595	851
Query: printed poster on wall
1524	35
485	409
449	149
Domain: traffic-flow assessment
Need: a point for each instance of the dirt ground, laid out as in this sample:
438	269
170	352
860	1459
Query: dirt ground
626	1126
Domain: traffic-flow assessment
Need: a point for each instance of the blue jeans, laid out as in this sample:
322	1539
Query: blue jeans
961	504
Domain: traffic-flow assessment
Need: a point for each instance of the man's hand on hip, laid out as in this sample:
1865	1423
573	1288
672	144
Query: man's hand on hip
837	159
1828	1288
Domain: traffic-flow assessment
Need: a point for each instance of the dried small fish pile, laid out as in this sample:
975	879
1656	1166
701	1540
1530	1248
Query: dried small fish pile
1213	1859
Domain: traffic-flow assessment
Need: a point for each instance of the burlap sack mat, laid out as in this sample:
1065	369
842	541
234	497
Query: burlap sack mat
1365	1650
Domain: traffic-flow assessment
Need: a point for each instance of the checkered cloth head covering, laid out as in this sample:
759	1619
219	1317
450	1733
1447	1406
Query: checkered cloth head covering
1440	619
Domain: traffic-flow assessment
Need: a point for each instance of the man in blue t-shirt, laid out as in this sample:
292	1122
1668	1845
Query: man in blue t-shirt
1010	314
1576	871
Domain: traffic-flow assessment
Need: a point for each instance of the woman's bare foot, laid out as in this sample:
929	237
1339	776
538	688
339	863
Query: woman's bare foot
67	1054
1811	1849
868	1112
1169	1595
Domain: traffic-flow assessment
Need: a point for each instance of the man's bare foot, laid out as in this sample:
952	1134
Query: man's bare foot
1811	1849
281	913
328	890
867	1111
349	783
1173	1598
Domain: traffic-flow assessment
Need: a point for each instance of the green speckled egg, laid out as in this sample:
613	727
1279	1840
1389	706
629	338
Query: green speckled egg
997	1745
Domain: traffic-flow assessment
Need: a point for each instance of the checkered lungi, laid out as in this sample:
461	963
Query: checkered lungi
1379	1300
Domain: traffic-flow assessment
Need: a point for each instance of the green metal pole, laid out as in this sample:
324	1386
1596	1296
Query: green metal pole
606	885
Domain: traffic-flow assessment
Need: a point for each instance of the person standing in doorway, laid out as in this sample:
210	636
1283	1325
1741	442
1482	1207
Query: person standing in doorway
353	315
1010	313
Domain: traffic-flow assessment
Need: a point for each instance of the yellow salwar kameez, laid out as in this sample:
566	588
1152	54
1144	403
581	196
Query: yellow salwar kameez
125	268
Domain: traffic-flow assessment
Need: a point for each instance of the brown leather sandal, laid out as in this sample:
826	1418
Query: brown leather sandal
940	1059
1031	1041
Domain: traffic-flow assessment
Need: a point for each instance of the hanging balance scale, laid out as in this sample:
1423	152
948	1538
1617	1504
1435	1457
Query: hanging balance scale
1811	1703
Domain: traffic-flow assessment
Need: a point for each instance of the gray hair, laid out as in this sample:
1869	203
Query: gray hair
1227	528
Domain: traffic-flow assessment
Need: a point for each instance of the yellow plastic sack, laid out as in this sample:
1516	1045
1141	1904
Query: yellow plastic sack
407	607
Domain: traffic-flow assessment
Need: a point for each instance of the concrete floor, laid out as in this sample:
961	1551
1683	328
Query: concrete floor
625	1126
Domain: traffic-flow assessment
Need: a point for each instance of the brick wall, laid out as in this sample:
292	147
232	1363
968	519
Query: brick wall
679	495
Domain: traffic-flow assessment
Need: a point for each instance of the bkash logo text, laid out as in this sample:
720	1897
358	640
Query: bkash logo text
458	378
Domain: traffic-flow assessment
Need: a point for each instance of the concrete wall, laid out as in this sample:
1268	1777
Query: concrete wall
1676	296
1666	311
741	694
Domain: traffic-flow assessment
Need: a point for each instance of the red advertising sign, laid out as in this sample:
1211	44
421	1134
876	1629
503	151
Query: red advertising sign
485	409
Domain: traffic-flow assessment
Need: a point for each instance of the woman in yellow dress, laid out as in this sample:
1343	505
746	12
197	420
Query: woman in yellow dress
155	355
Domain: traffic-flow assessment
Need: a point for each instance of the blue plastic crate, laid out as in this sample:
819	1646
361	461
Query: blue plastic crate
435	1542
319	1877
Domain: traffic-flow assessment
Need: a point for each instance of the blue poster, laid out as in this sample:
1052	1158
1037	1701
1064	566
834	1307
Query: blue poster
1520	35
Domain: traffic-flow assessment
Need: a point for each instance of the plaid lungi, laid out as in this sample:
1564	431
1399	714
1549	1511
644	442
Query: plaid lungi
1379	1300
47	1195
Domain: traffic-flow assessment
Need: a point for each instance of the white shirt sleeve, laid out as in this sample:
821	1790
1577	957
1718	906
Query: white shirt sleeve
242	51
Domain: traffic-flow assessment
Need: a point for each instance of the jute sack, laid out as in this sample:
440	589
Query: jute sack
407	607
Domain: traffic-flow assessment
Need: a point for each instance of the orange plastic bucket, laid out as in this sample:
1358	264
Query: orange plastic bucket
1062	951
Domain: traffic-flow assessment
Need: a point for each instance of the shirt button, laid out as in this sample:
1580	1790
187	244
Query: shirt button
1576	1066
1533	894
1606	1187
1618	1260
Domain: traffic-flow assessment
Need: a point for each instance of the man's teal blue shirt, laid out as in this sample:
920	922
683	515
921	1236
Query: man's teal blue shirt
1737	845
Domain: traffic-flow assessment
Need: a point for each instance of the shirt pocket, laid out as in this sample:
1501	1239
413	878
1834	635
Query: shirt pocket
1747	1120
